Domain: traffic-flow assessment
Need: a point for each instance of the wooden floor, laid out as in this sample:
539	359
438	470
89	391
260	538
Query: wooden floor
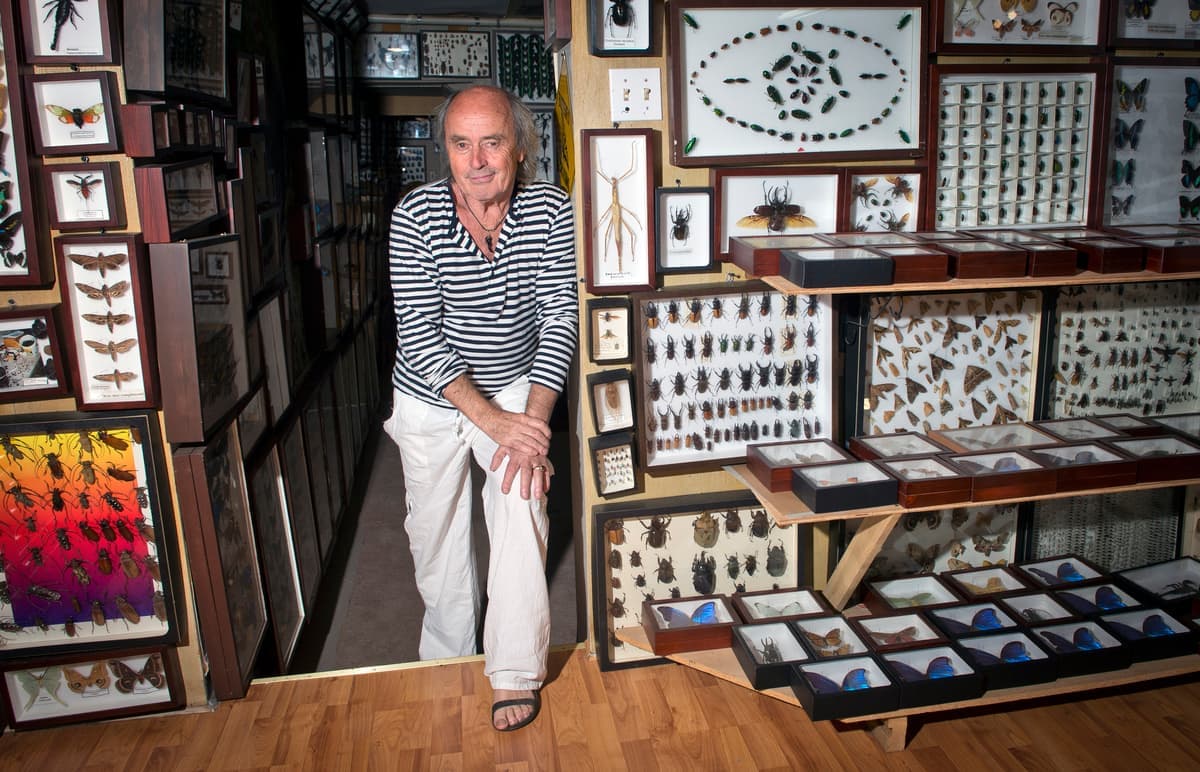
661	717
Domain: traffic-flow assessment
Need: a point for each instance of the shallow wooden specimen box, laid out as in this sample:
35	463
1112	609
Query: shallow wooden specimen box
837	487
840	688
836	267
1129	425
895	632
1060	572
1036	608
1108	255
1173	254
1160	459
931	675
985	582
772	463
909	592
767	651
971	619
995	437
898	445
1087	465
1151	633
1095	599
928	481
1077	429
829	637
1009	659
780	605
985	259
874	239
688	624
759	255
1004	475
1051	259
1083	647
1171	584
1187	424
916	263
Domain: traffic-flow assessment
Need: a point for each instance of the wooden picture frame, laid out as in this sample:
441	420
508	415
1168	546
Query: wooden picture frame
299	496
106	301
618	218
656	549
1150	25
84	196
556	23
724	112
883	199
219	535
31	365
685	230
178	49
1053	27
390	56
57	606
73	113
177	200
85	36
624	28
793	200
610	330
201	330
614	461
270	316
454	54
610	394
127	683
309	410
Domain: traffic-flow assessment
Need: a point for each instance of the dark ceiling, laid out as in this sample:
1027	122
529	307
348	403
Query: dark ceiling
496	9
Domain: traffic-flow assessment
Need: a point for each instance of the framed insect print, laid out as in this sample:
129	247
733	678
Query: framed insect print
31	364
68	32
678	547
615	469
611	396
396	56
610	325
86	687
73	113
176	200
759	83
201	333
1154	25
88	558
774	201
685	228
887	199
84	196
1019	26
456	55
219	535
621	27
619	167
105	293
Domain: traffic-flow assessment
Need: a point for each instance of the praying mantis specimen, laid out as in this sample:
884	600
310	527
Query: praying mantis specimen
618	216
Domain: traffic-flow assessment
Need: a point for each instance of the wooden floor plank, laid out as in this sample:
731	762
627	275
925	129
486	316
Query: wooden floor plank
663	716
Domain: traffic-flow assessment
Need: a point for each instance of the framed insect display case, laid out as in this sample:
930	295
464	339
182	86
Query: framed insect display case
610	330
884	199
31	364
678	547
723	366
456	54
298	494
177	48
84	196
87	541
525	67
73	113
1019	26
201	330
774	201
176	200
105	297
86	687
759	83
547	157
685	230
1015	144
621	27
1151	167
393	55
611	395
1149	24
615	468
323	484
67	32
226	577
619	169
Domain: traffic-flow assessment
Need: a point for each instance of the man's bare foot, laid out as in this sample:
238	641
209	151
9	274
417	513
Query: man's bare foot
512	709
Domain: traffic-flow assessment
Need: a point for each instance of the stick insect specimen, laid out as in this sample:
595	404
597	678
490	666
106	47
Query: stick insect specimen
618	216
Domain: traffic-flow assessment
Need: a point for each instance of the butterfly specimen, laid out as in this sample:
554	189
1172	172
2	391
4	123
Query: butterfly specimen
1029	27
96	681
900	187
49	682
129	679
1191	100
993	585
1153	626
1189	207
924	557
1138	9
1132	97
1013	651
1010	5
1062	14
704	614
1121	206
116	377
904	635
1003	28
909	601
1123	172
83	184
1128	134
100	261
108	319
1066	572
767	610
777	212
1191	136
1082	640
983	619
105	292
830	644
938	667
112	348
965	29
78	115
987	546
854	680
1104	599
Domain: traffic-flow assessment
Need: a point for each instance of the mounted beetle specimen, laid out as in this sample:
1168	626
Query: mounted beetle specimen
620	17
777	212
704	573
680	224
666	570
705	530
657	532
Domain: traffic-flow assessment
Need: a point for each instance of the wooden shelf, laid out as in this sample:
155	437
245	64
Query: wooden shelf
892	729
955	285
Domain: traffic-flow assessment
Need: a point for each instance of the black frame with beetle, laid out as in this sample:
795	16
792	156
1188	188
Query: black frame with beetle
606	16
684	215
643	532
604	321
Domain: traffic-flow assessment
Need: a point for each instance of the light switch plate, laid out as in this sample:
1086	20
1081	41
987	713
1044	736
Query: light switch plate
636	94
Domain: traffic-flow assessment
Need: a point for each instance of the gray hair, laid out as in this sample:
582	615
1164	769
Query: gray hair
527	139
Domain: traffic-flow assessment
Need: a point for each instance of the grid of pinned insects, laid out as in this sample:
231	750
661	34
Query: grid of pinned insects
950	539
1126	347
709	544
720	368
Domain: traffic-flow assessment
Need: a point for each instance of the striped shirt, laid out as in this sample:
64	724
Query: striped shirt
458	313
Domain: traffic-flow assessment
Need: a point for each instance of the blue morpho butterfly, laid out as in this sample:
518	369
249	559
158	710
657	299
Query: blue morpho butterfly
5	196
1013	651
1066	572
705	614
1128	133
1106	599
1190	174
1191	136
939	667
1192	99
1153	626
1189	207
1132	97
1082	640
853	681
984	619
1121	206
1123	172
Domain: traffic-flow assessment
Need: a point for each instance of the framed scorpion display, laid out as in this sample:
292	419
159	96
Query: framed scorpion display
67	31
618	181
685	230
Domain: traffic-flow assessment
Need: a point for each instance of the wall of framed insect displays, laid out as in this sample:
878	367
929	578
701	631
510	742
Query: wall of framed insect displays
885	200
31	366
681	547
618	217
456	54
73	113
177	47
1152	169
86	539
774	200
759	83
75	34
1148	24
84	196
394	55
38	694
1019	25
685	230
621	27
719	369
105	295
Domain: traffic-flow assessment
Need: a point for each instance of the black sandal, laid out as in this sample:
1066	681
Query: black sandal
535	701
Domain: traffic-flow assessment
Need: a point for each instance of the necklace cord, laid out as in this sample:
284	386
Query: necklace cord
487	239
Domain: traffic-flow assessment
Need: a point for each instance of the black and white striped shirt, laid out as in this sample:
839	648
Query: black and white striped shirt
457	313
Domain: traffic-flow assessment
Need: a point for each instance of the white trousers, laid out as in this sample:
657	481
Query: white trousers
436	445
